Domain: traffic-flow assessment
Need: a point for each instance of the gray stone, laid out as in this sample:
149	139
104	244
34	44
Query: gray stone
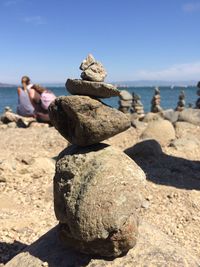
154	248
84	121
95	89
94	72
97	193
190	115
87	62
125	95
170	115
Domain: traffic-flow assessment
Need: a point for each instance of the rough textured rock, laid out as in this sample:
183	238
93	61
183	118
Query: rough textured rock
94	72
152	249
95	89
160	130
183	129
84	121
189	143
190	115
96	198
87	62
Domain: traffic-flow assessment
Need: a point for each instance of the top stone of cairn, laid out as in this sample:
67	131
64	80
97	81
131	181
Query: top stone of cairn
92	70
92	82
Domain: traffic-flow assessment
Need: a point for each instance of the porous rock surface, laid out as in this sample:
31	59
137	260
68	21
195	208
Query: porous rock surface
152	249
84	121
95	201
87	62
92	70
95	89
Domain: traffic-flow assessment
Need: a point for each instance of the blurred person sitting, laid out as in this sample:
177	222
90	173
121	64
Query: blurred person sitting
25	107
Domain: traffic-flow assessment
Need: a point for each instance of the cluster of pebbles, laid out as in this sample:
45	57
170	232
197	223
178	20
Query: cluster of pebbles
96	186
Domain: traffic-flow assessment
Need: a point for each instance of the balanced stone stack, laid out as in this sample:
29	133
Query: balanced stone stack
198	93
137	106
181	102
97	188
155	102
125	101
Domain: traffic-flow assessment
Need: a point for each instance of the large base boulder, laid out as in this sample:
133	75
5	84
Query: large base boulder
97	193
84	121
153	248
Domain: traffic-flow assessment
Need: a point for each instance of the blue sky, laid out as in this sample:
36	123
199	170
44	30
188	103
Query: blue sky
134	39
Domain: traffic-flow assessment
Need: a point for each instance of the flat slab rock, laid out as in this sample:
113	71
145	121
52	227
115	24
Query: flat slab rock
89	88
84	121
97	198
153	248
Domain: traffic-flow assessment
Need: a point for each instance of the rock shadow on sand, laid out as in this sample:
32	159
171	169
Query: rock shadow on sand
163	169
10	250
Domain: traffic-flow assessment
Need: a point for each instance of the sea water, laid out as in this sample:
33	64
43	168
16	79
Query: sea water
169	96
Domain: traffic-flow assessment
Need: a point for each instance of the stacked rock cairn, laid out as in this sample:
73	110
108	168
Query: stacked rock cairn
125	101
198	93
155	102
137	106
181	102
97	188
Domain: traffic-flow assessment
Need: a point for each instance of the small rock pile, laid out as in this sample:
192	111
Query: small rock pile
181	102
125	101
198	93
155	102
137	106
96	187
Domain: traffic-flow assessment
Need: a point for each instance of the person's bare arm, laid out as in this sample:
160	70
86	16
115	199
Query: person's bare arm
18	90
34	96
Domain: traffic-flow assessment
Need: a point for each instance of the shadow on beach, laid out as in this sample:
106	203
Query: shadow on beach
10	250
163	169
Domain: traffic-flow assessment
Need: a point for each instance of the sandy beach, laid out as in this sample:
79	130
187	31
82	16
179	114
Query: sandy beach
27	162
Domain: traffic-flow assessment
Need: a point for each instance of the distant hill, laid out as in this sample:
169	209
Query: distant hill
150	83
2	85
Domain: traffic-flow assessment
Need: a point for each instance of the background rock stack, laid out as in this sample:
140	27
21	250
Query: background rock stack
137	106
125	101
96	187
198	93
155	102
181	102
